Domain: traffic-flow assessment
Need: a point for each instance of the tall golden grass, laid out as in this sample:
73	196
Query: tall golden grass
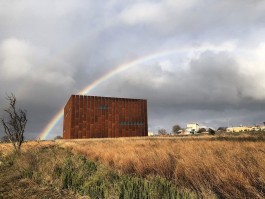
7	148
212	168
221	169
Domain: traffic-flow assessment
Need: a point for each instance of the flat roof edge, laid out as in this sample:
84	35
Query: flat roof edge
110	97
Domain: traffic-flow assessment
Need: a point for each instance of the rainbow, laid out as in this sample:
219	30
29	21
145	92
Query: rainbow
43	135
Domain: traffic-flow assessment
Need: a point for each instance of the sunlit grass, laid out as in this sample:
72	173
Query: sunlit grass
221	166
229	169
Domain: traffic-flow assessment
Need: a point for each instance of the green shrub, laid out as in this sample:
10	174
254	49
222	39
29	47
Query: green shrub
211	131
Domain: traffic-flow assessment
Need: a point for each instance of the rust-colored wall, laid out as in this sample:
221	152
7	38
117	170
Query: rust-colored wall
101	117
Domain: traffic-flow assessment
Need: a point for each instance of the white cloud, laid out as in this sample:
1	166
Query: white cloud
166	65
142	13
15	58
161	14
19	59
252	61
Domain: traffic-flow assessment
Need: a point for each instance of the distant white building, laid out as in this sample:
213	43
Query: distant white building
150	133
238	129
192	127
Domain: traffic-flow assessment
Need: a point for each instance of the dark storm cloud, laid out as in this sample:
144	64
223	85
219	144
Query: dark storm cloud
211	78
50	50
211	86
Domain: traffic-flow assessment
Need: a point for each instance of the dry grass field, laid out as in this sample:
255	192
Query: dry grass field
206	167
14	184
224	169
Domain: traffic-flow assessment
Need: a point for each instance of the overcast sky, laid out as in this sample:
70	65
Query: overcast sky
211	68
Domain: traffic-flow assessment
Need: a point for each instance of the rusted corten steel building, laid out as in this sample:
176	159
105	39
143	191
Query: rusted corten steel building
102	117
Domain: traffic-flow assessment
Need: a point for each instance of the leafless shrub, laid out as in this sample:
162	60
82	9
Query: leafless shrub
14	127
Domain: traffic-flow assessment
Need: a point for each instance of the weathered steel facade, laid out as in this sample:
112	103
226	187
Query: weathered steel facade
102	117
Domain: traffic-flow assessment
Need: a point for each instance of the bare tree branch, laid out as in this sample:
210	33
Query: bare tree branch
15	126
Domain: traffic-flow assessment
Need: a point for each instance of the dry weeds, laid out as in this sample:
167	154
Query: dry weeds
210	168
222	169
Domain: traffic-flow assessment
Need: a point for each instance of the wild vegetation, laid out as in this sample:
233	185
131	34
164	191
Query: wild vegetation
194	167
54	166
216	168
